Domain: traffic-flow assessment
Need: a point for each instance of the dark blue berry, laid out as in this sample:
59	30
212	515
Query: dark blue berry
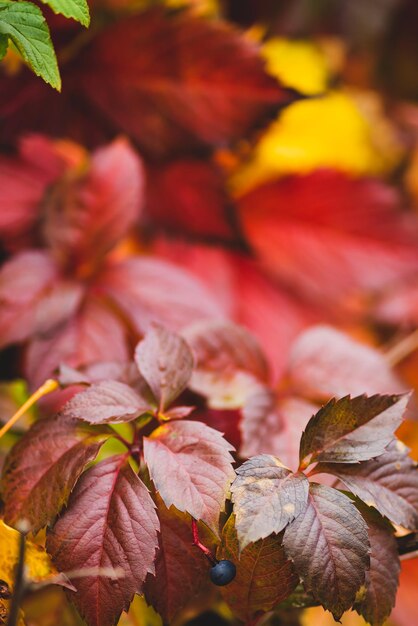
223	573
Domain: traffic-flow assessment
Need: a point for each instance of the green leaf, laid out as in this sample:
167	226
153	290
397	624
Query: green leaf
4	44
75	9
24	24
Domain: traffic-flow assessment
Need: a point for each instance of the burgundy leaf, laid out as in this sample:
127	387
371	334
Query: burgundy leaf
95	334
266	496
389	483
166	362
329	546
264	577
326	363
180	568
352	429
190	465
151	290
43	467
110	522
224	347
86	215
178	82
382	579
107	402
175	200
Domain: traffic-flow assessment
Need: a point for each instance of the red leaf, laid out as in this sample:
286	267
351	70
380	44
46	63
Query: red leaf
166	362
178	82
330	235
43	467
223	347
329	547
382	579
352	429
95	334
180	568
190	466
106	402
34	298
151	290
264	577
326	363
110	522
175	200
266	496
87	214
389	483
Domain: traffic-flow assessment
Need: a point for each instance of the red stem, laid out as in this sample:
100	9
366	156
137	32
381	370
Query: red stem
196	542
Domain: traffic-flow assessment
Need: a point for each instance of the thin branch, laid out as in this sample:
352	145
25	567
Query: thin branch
402	349
196	542
48	386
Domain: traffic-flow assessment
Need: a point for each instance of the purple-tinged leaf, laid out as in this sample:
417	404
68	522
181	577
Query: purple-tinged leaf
326	363
110	522
178	412
329	546
43	467
266	496
260	421
223	347
389	483
165	361
377	600
180	568
352	429
191	467
264	577
107	402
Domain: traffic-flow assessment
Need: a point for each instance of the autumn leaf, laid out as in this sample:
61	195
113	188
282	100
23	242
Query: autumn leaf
180	568
166	362
389	483
382	579
266	496
329	547
352	429
265	577
43	467
110	522
106	402
190	466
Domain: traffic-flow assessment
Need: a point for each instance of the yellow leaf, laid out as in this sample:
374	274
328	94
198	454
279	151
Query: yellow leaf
140	614
298	64
324	132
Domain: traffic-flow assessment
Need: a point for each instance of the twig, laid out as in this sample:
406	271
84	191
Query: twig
48	386
196	542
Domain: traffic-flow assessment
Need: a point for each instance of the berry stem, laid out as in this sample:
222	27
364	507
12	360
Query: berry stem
196	542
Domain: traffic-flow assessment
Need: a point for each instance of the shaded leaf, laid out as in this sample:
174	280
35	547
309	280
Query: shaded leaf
264	577
166	362
179	82
329	547
180	568
25	25
326	363
329	235
107	402
152	290
88	212
382	579
266	496
110	522
190	465
175	200
389	483
43	467
352	429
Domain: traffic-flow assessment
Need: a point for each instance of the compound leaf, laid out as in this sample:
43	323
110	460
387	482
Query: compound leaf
266	496
190	465
329	546
43	467
352	429
111	523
